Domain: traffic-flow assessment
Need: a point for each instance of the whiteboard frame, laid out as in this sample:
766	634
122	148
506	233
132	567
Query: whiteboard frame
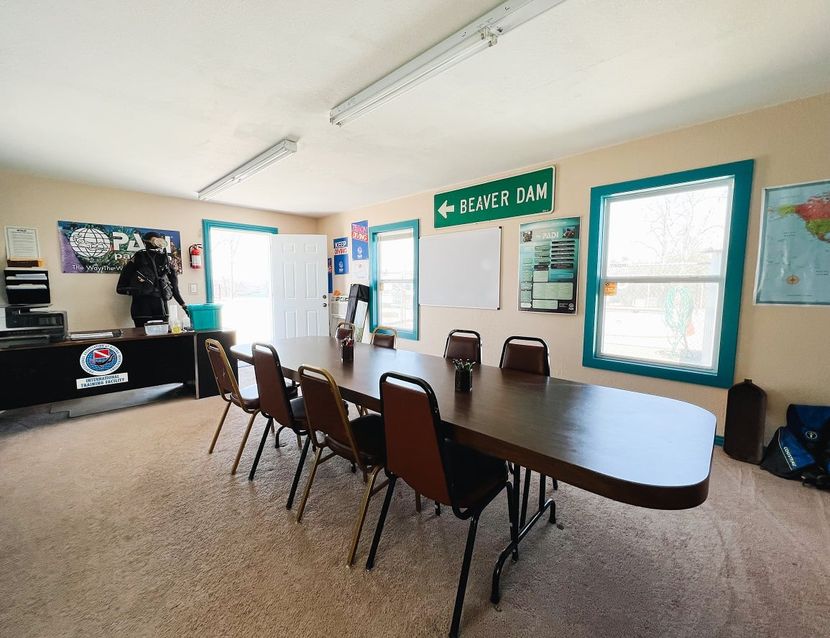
459	232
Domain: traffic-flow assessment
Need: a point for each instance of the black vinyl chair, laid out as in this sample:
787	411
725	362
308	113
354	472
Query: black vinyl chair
278	403
463	344
420	450
528	354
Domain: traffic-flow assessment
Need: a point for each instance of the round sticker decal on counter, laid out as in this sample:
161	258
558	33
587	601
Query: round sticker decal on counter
102	358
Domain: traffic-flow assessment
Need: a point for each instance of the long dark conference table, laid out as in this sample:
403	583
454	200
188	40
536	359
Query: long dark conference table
631	447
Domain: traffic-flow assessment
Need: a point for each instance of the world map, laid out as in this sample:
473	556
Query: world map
794	260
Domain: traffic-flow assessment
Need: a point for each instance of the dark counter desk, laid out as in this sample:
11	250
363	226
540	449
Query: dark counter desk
48	372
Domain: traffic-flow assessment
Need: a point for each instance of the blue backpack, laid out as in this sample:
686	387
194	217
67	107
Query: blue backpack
801	449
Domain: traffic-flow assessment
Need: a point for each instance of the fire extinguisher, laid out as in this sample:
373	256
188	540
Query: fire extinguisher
196	256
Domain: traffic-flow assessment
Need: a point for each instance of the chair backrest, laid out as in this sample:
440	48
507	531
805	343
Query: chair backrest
344	329
384	337
526	357
463	344
414	440
225	379
270	382
324	408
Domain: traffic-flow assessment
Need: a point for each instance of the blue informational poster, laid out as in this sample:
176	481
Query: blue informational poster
360	240
341	255
548	258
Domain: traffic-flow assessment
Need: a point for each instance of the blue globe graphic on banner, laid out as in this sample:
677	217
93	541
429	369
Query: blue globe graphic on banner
89	243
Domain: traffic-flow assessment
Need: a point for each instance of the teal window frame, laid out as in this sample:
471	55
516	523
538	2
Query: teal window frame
374	231
207	225
723	375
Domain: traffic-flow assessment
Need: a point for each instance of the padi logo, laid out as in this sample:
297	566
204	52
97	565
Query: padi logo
811	435
100	359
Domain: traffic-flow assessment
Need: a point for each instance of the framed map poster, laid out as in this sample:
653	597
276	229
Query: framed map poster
794	252
548	259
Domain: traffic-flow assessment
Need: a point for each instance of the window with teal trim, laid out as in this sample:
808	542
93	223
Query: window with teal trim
665	267
393	251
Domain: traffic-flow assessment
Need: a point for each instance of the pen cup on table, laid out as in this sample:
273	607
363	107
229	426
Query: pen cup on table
463	375
347	350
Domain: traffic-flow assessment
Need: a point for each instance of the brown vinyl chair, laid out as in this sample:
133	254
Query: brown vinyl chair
463	344
384	337
246	398
421	451
359	441
344	329
528	354
278	403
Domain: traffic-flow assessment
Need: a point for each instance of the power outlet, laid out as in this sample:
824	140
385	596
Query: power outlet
194	289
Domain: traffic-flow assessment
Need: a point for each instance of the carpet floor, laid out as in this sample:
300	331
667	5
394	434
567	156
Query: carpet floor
121	524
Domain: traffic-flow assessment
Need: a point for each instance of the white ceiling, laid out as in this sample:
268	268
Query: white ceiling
166	96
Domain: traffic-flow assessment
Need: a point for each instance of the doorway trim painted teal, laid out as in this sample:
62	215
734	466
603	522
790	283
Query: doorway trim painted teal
207	226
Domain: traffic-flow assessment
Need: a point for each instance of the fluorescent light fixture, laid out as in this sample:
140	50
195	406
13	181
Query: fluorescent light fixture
480	34
277	152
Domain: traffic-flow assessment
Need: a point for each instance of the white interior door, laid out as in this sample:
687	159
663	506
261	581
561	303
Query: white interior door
300	285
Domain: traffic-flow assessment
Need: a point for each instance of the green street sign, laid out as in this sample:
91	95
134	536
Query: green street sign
525	194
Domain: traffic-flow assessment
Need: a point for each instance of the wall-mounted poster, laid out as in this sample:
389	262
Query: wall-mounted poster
794	255
360	241
548	259
102	248
341	255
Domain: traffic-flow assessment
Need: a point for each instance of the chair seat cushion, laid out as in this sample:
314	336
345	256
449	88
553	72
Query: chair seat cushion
291	388
475	475
298	408
369	438
249	399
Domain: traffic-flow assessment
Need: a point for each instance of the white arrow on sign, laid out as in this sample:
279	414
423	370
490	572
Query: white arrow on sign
446	208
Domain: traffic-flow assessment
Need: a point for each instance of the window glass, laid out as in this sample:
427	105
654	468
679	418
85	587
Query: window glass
665	269
394	277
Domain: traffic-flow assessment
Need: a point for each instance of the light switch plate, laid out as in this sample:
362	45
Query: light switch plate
194	288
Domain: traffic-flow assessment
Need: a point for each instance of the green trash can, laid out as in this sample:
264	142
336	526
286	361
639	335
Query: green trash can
205	316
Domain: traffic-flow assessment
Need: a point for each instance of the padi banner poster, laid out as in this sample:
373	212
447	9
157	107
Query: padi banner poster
548	258
98	248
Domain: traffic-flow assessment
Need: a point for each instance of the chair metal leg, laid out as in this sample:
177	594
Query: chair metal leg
268	428
370	562
219	427
317	453
465	572
244	440
297	473
361	516
277	435
525	496
299	442
512	514
437	508
417	502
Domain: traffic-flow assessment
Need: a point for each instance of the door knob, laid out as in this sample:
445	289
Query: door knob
324	304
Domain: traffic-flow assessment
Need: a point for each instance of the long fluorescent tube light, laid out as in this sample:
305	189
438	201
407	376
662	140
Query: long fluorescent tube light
277	152
480	34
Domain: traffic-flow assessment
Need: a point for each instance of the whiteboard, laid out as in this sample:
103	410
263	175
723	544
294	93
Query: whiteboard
460	270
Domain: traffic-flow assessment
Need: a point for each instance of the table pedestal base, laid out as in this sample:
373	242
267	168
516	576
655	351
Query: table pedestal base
513	548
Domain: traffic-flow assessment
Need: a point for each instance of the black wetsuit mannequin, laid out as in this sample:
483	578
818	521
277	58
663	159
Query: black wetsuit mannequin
150	278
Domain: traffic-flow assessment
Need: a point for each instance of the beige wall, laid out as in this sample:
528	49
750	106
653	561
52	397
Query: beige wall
784	350
90	299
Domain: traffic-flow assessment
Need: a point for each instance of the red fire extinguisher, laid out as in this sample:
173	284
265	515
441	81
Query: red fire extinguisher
196	256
